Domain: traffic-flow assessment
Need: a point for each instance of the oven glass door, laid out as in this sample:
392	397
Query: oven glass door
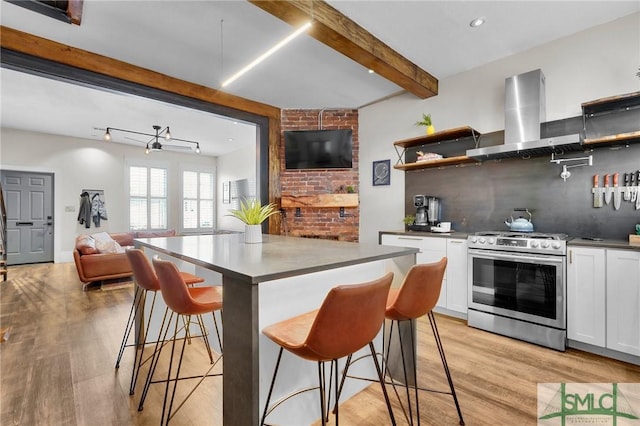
529	287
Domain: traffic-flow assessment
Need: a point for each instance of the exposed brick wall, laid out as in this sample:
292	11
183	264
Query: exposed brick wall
320	222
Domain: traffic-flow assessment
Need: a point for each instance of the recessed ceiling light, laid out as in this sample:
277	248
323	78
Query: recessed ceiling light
477	22
371	71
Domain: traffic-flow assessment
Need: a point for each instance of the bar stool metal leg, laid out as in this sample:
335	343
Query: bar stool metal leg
445	365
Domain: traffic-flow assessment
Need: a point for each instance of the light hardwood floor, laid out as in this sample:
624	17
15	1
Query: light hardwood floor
57	366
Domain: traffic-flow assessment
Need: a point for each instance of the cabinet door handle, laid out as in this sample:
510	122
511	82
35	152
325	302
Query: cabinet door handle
570	256
410	238
455	242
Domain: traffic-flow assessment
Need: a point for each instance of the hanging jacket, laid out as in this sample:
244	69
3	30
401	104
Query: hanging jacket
84	213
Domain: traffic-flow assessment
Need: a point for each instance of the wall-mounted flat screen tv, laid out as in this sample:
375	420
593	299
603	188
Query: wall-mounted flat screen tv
318	149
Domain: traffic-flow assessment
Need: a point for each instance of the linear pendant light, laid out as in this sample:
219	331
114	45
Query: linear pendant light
268	53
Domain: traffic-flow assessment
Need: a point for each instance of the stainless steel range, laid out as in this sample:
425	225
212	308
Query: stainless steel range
517	285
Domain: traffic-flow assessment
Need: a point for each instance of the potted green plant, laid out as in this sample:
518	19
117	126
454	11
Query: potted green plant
253	213
635	239
408	220
426	121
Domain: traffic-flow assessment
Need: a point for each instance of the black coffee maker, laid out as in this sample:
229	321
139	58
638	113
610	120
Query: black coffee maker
427	211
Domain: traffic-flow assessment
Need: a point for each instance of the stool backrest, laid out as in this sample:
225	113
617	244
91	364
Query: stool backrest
174	290
420	290
350	317
142	270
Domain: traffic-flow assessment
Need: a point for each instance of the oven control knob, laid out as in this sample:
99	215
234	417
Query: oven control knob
473	239
556	245
534	244
491	241
482	240
545	244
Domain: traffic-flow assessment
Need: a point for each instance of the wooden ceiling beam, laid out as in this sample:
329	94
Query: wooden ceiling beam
39	47
345	36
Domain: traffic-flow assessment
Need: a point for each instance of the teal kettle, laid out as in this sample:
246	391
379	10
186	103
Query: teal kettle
520	224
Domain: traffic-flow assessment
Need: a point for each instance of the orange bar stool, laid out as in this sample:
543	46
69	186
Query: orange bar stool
183	301
417	296
349	318
146	281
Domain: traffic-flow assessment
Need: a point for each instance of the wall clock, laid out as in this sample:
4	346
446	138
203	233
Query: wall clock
381	172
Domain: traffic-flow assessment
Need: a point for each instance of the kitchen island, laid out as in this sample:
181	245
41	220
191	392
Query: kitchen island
265	283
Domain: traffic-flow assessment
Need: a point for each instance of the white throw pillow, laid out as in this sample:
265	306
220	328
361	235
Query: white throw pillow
106	244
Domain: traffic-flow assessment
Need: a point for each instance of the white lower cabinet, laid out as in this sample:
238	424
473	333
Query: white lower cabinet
586	295
457	275
603	298
453	295
623	301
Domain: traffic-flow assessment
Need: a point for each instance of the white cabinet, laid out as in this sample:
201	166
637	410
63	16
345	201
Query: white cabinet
586	295
603	298
623	301
457	275
453	295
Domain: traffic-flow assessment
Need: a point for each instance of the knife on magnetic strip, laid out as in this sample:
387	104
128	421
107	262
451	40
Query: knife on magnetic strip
607	190
597	195
617	192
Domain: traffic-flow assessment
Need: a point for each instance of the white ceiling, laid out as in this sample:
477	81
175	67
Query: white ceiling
206	41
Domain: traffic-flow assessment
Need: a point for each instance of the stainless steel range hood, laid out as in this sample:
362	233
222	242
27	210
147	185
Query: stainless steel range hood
525	111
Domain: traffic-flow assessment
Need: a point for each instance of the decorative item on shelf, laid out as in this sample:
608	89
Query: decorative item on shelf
408	220
252	213
426	121
635	239
428	156
154	143
345	189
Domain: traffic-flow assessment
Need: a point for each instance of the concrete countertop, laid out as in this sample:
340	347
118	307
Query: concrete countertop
453	234
612	244
574	241
275	258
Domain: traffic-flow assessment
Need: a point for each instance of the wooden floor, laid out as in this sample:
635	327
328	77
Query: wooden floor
57	365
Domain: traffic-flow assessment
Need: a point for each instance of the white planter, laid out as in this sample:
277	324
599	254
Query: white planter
253	234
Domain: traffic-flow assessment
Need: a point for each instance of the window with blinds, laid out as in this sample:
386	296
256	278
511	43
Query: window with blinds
147	198
198	192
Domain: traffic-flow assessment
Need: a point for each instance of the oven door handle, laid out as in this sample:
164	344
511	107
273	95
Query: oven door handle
512	256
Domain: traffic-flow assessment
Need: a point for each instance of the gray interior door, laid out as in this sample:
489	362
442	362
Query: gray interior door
29	202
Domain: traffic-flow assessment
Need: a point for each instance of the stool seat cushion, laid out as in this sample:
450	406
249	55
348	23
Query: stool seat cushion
418	293
292	333
190	279
349	318
182	299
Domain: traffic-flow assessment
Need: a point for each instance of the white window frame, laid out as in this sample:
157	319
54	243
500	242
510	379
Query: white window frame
148	165
198	168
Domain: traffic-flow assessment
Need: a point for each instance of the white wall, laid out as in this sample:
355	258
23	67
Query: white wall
592	64
88	164
234	166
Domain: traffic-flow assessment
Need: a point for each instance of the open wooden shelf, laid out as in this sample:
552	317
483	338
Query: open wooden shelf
442	136
611	103
613	139
620	109
449	161
320	200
